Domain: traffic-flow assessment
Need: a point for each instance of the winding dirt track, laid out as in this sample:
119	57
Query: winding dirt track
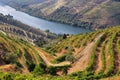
79	65
6	66
48	63
84	57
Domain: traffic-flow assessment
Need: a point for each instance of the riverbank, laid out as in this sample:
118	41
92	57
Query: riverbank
42	24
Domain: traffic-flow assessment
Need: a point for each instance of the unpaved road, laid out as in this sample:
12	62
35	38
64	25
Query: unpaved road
84	57
48	63
6	66
83	61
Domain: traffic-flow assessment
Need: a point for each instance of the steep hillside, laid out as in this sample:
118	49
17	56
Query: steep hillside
94	55
18	55
91	14
88	56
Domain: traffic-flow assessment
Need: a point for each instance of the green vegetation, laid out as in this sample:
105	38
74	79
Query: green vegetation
92	59
14	51
96	54
38	36
65	57
107	45
19	56
11	76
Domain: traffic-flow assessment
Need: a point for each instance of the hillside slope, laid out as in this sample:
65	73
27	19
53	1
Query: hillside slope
34	35
94	55
18	55
91	14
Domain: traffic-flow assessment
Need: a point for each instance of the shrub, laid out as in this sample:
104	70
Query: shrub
60	59
10	58
30	66
65	70
52	70
8	76
70	58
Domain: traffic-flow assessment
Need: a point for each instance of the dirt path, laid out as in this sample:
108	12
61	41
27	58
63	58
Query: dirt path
6	66
48	63
3	32
84	57
47	55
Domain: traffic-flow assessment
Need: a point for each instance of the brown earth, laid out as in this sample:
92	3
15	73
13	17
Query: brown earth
81	63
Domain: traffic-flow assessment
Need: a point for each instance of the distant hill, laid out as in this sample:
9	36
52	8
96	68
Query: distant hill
91	14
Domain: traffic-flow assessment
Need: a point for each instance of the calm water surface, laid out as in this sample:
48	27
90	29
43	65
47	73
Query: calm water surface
40	23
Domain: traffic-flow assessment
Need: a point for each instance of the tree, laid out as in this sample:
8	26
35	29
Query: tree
64	36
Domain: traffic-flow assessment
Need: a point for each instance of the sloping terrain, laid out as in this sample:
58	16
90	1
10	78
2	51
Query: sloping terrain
82	61
25	31
93	55
20	56
93	14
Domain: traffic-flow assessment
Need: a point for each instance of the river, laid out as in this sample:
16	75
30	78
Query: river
42	24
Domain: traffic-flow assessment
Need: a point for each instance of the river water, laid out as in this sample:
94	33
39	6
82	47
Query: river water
42	24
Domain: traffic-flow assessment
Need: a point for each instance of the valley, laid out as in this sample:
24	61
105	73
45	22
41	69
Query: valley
93	14
39	23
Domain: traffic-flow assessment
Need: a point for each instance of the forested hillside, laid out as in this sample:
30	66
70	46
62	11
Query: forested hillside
91	14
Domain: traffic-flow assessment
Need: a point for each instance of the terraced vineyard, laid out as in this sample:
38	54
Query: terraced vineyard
89	56
19	56
96	54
